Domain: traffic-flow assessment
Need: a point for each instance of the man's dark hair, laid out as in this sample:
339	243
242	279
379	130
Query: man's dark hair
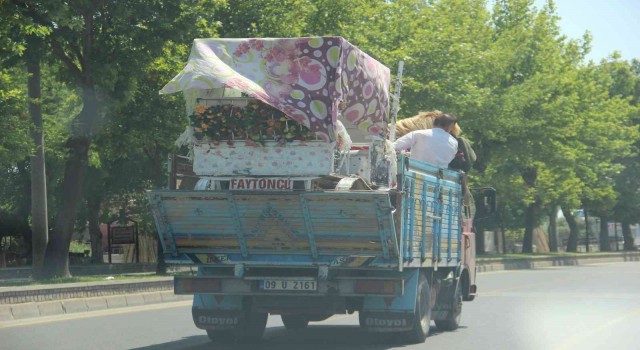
444	120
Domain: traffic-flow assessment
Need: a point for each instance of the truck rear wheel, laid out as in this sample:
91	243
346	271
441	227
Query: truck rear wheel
361	319
255	326
295	321
452	322
226	336
422	313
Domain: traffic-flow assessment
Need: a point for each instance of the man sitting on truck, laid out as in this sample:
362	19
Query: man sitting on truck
435	146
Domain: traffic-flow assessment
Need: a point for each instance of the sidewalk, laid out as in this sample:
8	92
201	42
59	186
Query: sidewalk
550	260
18	303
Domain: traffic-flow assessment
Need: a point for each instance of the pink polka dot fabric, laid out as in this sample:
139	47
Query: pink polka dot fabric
305	78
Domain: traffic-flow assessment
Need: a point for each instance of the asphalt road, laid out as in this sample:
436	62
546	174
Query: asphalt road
567	308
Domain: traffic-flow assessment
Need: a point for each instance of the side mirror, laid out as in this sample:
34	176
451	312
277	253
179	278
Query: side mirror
485	201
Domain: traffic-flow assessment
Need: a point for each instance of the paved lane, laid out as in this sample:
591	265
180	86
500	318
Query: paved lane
567	308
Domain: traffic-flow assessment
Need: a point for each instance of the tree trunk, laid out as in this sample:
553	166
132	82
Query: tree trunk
480	249
531	214
497	237
572	243
23	211
93	210
39	217
161	266
629	243
503	231
553	228
530	176
57	257
604	234
587	230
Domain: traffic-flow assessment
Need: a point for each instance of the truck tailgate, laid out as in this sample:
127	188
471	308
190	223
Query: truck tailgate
274	227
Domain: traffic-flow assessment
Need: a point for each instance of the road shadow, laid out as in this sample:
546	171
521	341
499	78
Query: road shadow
315	337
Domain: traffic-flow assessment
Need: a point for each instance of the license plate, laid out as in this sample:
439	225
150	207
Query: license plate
295	285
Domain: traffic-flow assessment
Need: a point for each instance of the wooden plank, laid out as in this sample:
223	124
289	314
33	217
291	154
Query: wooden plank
342	222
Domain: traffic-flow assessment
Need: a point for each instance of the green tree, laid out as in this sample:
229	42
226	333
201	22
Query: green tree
97	43
137	136
624	82
12	47
15	144
262	18
552	120
39	213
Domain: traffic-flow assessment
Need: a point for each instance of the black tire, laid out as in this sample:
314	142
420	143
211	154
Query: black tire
226	336
452	322
361	319
249	331
422	313
254	327
317	317
295	321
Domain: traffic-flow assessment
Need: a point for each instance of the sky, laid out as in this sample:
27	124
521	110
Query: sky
614	25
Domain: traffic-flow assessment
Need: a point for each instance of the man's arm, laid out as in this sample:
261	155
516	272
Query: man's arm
451	151
404	143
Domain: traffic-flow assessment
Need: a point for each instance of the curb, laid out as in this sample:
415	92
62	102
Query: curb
501	264
38	293
19	303
15	312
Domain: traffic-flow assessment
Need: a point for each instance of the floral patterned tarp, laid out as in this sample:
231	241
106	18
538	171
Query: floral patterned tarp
305	78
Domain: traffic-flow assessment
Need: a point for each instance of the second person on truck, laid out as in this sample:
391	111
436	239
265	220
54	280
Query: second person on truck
435	146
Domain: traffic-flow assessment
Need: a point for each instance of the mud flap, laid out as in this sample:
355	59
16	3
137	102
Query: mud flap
473	291
392	314
448	309
217	312
386	321
444	300
217	319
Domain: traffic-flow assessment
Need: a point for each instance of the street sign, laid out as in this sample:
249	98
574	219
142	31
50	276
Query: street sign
122	234
119	233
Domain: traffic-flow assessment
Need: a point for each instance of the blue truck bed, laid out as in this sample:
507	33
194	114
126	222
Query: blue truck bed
417	225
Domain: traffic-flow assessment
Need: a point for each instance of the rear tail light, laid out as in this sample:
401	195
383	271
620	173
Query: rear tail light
191	285
385	287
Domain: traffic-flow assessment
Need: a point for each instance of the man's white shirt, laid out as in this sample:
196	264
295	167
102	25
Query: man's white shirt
434	146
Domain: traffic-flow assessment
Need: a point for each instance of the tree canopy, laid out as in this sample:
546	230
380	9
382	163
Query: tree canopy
549	127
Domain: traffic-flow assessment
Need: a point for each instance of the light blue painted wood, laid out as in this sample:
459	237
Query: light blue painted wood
424	212
233	211
308	227
382	230
330	223
167	228
195	219
411	220
443	213
450	232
